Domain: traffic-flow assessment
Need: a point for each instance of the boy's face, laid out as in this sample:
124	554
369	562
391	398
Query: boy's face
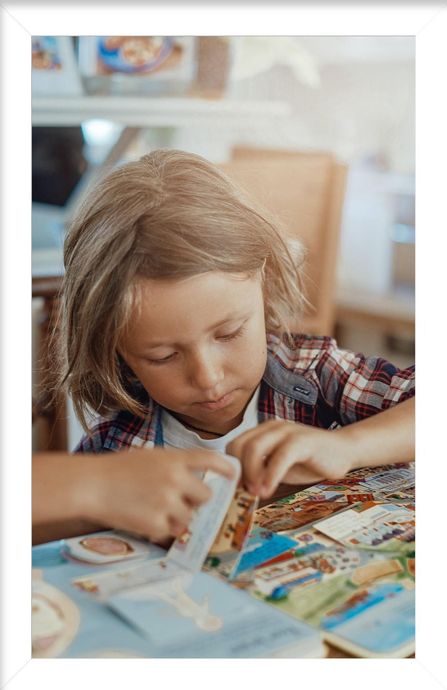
198	346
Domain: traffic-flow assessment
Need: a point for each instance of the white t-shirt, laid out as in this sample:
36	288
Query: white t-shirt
178	436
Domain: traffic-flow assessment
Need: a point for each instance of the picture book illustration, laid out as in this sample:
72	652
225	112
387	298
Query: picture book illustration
341	591
299	571
107	547
341	582
332	496
260	546
310	540
291	515
226	550
368	484
374	525
54	618
384	481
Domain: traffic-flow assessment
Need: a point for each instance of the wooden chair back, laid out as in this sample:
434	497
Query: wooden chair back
305	191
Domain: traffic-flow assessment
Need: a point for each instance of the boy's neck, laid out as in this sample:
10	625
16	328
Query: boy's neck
203	433
209	434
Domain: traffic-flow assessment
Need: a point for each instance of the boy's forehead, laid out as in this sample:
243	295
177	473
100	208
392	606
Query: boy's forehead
221	291
166	308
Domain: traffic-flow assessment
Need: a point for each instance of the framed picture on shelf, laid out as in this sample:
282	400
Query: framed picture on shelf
137	64
54	67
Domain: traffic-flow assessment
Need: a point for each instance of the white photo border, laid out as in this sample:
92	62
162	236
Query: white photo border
428	23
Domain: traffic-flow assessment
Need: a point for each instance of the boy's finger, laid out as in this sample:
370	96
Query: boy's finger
256	453
182	513
212	461
195	492
158	529
278	464
177	527
236	446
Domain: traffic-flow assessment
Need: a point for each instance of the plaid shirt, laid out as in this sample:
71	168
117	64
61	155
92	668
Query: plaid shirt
314	382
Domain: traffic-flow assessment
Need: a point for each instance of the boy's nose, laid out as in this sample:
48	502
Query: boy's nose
206	373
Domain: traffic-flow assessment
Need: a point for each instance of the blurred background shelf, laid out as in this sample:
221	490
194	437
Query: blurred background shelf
154	112
389	310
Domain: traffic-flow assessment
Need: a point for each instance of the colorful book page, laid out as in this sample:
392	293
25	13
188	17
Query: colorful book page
360	485
396	485
309	540
262	546
303	511
381	625
232	537
373	525
296	570
344	592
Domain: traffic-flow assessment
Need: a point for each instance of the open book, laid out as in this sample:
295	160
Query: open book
335	562
144	601
340	556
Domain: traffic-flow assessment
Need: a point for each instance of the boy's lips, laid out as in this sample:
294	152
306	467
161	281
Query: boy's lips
217	404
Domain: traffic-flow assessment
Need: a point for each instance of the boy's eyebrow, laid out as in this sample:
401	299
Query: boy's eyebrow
149	346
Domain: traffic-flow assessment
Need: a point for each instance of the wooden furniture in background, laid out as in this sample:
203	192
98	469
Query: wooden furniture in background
389	312
52	418
305	191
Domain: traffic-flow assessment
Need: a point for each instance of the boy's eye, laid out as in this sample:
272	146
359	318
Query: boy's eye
162	360
234	334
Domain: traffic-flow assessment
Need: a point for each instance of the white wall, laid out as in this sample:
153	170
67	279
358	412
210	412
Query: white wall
363	106
363	110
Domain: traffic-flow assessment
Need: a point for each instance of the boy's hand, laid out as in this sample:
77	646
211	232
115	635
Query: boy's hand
152	492
281	451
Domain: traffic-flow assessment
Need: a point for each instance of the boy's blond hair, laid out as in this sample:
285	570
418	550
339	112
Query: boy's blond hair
169	215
